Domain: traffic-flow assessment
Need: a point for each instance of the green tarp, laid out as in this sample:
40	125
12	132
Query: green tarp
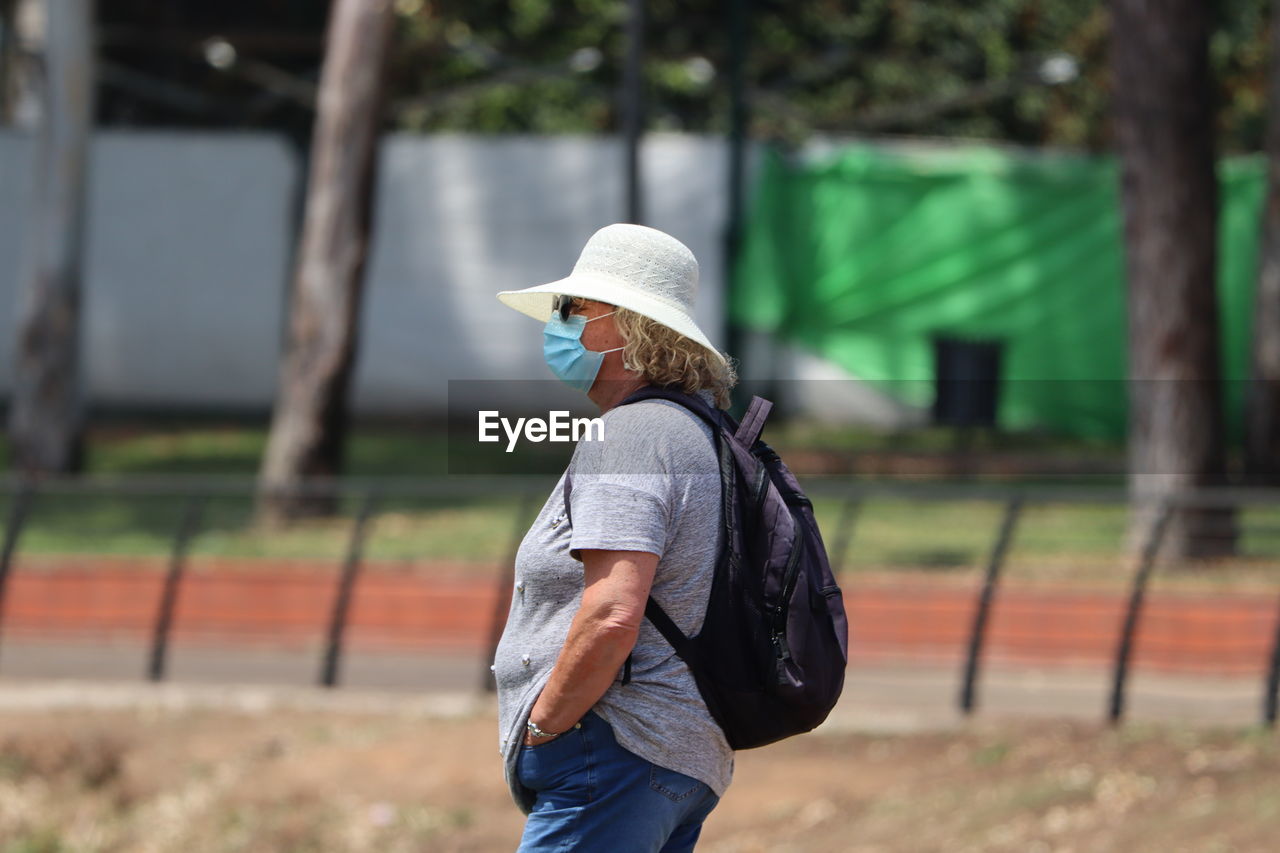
865	257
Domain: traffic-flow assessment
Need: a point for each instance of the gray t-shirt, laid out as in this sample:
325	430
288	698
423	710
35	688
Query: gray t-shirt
651	485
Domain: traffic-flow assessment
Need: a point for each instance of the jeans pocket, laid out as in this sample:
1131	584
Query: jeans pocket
676	787
550	764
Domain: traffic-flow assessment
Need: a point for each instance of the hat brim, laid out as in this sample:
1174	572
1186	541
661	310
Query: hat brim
537	302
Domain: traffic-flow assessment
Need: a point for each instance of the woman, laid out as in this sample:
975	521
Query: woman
607	744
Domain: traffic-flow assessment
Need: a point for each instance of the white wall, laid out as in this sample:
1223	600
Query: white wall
190	235
460	218
187	246
189	238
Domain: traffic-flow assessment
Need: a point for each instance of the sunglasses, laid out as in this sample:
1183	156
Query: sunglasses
563	305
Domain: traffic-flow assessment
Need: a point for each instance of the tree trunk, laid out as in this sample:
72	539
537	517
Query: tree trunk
308	427
1262	407
1164	130
8	58
21	32
47	416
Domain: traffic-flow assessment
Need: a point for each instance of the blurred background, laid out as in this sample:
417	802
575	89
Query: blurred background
1010	270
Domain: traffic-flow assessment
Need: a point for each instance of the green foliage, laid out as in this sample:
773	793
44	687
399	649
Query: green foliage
1240	54
952	68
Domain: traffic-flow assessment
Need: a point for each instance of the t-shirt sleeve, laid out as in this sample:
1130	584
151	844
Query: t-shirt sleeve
622	491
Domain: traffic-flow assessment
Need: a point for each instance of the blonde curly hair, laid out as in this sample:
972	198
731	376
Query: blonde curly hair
663	356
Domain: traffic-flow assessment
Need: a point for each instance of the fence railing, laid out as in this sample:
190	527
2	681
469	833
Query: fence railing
851	498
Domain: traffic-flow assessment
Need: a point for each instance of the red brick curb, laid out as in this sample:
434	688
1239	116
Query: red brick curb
891	618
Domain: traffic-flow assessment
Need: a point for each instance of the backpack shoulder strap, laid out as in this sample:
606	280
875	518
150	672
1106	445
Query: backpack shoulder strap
753	421
717	420
669	630
692	402
745	433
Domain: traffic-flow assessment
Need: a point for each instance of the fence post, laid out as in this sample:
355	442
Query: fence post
981	612
342	600
169	596
849	514
1124	651
502	595
1273	682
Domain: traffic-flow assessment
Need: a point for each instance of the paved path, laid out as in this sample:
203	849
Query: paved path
882	697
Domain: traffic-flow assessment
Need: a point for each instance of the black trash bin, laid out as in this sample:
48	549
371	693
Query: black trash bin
966	382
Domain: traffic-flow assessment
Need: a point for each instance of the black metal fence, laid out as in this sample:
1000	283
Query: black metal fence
194	495
364	498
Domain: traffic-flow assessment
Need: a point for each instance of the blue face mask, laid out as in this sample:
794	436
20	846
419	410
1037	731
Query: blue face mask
571	362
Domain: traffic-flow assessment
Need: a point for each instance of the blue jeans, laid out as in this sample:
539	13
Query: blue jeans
593	795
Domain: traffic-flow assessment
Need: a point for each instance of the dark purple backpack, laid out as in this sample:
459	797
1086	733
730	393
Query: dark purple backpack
771	655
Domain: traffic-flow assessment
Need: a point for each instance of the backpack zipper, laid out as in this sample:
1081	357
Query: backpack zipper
761	491
781	650
778	636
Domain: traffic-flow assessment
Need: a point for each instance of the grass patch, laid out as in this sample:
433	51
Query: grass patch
1057	544
394	451
811	435
472	529
1067	542
372	451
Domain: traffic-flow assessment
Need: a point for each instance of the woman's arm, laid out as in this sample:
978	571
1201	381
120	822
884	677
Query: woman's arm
602	634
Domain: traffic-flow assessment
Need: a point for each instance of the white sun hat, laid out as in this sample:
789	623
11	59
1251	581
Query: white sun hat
631	266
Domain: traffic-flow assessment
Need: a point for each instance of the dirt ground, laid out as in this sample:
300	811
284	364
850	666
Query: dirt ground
206	781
